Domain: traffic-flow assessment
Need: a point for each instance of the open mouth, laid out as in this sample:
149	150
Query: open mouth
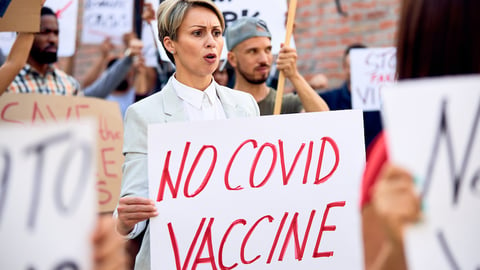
211	57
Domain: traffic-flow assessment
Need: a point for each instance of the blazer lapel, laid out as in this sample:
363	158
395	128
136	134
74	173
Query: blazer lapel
173	105
230	107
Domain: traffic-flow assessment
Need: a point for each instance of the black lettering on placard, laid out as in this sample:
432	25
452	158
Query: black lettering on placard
447	251
106	20
66	265
230	16
38	150
104	4
66	161
443	132
5	177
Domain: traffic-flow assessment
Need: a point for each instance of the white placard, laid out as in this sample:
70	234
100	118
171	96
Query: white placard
67	13
371	70
433	131
273	12
47	198
259	193
106	18
6	41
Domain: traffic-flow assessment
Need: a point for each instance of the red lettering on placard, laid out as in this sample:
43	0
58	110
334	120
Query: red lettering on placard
245	240
255	162
106	162
222	244
108	194
299	250
286	176
207	239
167	180
323	228
107	134
277	236
173	240
36	111
308	161
4	112
229	166
334	146
207	176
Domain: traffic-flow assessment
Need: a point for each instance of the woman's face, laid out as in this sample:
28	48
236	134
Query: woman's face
198	46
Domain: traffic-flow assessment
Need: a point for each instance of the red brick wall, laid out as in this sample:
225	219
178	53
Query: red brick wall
321	34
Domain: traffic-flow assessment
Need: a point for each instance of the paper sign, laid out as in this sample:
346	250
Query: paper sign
6	41
257	193
25	109
371	70
106	18
13	14
47	196
67	11
438	139
273	12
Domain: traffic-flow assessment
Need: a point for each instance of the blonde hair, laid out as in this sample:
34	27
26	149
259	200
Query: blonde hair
171	13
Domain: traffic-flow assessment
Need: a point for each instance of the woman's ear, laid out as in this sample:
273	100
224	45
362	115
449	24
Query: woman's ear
169	44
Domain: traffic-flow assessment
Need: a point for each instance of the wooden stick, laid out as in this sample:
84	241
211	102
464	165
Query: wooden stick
281	77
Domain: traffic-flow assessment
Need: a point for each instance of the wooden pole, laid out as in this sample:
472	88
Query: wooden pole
281	77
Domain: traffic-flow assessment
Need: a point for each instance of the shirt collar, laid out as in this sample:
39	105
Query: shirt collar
28	68
194	96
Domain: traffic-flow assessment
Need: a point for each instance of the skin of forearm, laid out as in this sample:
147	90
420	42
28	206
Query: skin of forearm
16	59
311	101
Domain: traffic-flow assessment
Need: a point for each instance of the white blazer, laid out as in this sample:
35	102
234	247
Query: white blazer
163	107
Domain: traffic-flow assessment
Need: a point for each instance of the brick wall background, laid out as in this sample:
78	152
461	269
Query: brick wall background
321	34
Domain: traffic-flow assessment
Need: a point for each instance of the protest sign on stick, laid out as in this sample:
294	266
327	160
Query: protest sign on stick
26	109
371	69
13	14
438	140
47	195
257	193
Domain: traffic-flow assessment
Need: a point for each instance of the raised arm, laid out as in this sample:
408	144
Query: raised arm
287	62
16	59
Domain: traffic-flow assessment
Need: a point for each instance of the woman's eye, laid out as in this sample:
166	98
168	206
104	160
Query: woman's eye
217	33
197	33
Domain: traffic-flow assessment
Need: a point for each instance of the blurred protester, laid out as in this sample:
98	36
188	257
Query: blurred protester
39	75
250	54
341	99
427	29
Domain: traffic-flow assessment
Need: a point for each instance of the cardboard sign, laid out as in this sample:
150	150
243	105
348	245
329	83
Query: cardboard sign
67	13
259	193
438	140
26	109
47	196
106	18
13	14
371	70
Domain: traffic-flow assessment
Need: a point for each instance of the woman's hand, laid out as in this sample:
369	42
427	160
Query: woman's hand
132	210
395	200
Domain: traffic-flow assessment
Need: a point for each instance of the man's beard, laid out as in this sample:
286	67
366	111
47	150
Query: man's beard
43	57
249	79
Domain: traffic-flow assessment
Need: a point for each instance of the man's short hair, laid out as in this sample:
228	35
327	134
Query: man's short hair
47	11
245	28
353	46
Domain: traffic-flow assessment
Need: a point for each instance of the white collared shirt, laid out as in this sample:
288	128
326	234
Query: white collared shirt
199	105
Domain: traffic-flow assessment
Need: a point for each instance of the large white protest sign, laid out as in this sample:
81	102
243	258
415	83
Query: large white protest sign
67	13
47	198
106	19
371	70
433	131
272	192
